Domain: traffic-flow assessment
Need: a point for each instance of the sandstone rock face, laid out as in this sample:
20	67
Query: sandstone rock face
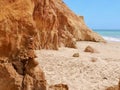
21	71
16	25
51	24
26	25
18	68
9	78
58	25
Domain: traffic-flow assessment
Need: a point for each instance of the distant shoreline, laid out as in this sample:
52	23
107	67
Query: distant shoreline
109	34
104	29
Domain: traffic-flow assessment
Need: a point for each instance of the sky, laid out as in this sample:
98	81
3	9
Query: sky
98	14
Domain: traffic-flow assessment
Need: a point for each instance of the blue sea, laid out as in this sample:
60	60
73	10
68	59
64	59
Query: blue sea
109	35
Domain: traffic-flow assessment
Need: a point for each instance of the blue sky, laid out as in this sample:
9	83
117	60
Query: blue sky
98	14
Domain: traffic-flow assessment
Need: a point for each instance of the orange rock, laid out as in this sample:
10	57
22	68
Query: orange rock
9	78
59	87
113	88
116	87
60	25
21	73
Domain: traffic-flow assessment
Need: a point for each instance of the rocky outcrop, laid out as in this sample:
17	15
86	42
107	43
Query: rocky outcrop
51	24
21	71
18	35
9	78
26	25
58	25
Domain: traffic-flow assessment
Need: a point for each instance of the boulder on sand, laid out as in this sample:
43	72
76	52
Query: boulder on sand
90	49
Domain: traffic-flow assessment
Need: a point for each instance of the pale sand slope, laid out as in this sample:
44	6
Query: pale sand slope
81	73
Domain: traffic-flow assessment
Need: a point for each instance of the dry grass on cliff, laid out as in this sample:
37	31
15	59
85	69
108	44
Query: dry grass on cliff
89	71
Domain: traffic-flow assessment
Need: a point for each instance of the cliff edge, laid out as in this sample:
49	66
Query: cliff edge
51	23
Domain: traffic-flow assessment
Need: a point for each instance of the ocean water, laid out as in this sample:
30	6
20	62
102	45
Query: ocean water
109	35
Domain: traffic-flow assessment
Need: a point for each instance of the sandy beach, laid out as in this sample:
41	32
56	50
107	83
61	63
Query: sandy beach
89	71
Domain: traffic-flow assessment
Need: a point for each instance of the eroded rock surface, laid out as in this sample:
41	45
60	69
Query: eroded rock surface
58	25
26	25
18	68
9	78
50	22
21	71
